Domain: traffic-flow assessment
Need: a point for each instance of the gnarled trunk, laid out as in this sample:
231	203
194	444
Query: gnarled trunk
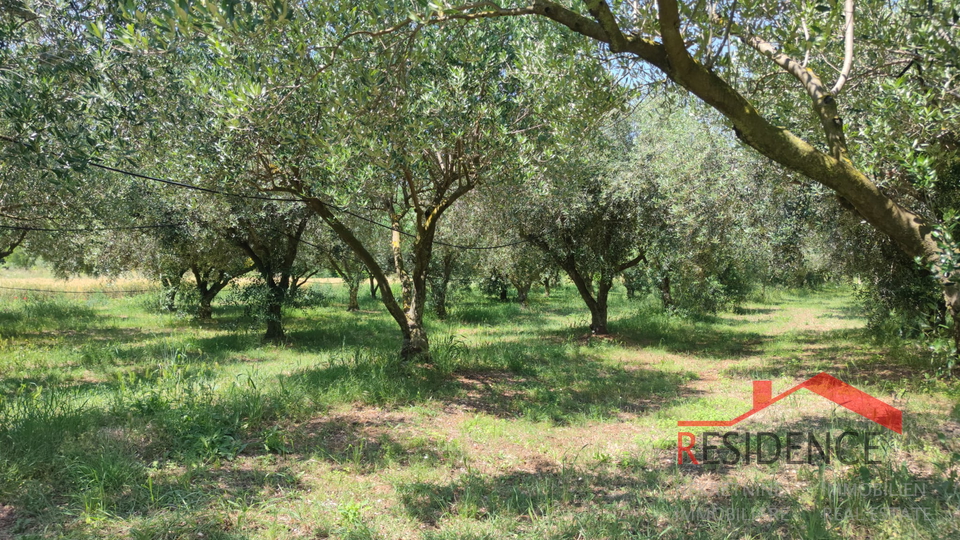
275	262
439	284
450	180
596	301
598	314
523	290
354	290
665	295
209	284
274	315
205	310
413	283
415	342
596	304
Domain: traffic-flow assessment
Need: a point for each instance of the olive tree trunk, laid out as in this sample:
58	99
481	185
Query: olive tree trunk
354	290
274	315
275	263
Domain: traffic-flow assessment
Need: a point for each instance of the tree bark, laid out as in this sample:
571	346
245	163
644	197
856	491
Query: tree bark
210	283
440	284
354	287
274	315
598	312
665	295
376	272
951	295
205	310
415	344
276	269
452	179
596	303
523	291
440	301
413	284
351	277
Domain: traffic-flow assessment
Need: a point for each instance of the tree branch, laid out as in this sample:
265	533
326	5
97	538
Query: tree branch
847	48
642	257
4	252
601	12
824	103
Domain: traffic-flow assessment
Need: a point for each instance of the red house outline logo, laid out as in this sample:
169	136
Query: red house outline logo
827	386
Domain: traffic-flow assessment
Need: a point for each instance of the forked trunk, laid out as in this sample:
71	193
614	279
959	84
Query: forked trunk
11	245
523	292
413	284
415	342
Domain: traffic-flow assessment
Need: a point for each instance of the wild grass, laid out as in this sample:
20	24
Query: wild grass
117	421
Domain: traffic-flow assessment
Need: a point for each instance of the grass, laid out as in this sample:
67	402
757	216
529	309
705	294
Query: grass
120	422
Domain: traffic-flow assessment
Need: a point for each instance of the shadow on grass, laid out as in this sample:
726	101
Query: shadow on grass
632	500
695	338
540	382
624	502
37	315
149	452
853	313
557	383
847	353
333	330
361	444
494	313
738	310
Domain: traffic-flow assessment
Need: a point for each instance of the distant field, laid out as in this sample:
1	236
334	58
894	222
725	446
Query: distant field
118	421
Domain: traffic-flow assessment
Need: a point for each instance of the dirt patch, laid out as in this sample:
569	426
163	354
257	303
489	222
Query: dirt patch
8	520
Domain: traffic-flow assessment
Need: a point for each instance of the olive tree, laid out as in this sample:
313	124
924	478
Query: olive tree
589	219
779	74
396	128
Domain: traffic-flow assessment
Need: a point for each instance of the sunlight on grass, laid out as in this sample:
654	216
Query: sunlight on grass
117	421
